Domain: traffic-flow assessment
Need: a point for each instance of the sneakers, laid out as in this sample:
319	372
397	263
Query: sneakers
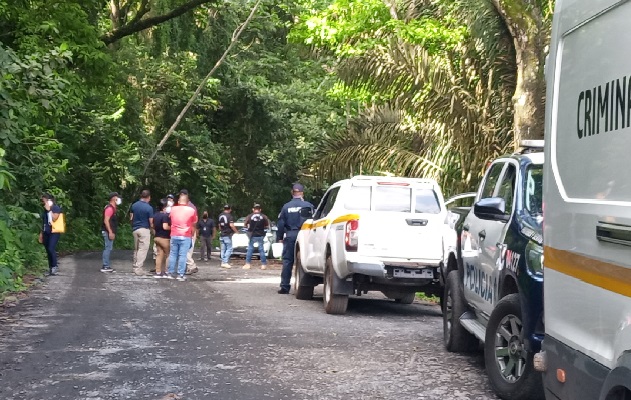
107	269
283	291
169	276
263	266
181	278
159	276
139	271
53	271
191	271
226	266
247	266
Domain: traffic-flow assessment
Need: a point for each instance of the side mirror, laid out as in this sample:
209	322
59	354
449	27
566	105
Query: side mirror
306	212
492	208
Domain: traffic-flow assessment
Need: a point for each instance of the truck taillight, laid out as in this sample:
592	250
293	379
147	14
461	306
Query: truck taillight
350	235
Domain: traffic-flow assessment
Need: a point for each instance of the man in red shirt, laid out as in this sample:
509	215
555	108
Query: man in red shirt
108	229
183	220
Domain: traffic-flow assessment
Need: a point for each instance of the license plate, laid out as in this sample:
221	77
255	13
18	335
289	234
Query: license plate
413	273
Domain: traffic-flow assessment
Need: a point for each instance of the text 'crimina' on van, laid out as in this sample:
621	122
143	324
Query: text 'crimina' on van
587	203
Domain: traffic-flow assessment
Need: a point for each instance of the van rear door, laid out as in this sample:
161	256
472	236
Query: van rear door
405	221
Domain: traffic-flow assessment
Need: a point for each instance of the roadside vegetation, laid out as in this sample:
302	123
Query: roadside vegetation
315	90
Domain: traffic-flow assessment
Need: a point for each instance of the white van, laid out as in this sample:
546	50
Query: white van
587	203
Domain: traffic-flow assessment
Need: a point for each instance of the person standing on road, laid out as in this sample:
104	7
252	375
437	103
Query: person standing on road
109	228
48	237
167	209
257	225
226	230
141	217
191	268
207	232
183	220
162	238
290	219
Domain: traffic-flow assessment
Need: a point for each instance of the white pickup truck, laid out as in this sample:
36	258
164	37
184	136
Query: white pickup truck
374	233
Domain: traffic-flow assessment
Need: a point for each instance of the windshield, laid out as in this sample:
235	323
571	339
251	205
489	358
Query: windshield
533	190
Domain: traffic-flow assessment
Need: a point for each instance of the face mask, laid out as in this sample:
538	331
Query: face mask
168	209
205	216
119	201
50	203
170	203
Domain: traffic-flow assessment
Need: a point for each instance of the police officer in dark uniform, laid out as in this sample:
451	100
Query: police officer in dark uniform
290	219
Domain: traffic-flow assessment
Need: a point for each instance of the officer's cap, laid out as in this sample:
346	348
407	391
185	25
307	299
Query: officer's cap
297	187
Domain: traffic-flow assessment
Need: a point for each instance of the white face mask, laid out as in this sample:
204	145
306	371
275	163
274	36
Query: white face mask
170	203
119	201
50	203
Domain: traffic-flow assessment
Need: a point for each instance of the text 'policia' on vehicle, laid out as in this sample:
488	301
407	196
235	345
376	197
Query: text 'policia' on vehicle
494	284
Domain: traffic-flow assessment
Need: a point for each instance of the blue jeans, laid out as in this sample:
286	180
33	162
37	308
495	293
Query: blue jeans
248	255
50	244
180	245
226	248
289	247
109	244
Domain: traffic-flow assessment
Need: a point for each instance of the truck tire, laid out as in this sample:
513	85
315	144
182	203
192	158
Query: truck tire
333	303
456	337
301	291
407	299
509	366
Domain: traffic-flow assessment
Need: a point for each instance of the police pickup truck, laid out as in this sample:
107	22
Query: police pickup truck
374	233
493	293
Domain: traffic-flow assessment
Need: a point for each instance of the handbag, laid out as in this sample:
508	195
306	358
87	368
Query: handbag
59	226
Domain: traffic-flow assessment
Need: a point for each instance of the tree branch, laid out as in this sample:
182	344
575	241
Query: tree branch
235	38
142	24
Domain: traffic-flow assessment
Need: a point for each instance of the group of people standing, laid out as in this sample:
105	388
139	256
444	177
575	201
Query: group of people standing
175	227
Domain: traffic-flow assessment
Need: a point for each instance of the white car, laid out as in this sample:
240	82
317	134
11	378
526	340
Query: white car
374	233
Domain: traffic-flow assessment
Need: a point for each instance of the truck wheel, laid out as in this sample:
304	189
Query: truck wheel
407	299
301	291
508	364
333	303
456	337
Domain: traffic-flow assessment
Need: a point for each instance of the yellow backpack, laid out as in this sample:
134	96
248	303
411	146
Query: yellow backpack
59	226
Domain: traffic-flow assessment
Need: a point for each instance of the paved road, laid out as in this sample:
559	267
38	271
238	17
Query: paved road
220	335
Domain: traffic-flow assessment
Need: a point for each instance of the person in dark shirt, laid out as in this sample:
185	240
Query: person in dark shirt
206	231
109	228
257	225
47	237
226	230
162	238
290	219
141	216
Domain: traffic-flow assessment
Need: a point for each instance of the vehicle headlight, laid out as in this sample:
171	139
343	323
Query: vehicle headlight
534	258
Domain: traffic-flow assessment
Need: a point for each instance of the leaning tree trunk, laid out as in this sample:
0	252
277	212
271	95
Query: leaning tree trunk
529	31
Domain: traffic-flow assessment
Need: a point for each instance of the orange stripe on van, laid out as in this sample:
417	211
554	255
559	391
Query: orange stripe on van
611	277
345	218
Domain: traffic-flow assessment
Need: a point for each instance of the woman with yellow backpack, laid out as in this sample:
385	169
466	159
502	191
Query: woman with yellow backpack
53	225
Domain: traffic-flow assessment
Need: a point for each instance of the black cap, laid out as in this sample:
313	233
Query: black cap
112	194
184	191
257	205
227	207
297	187
170	196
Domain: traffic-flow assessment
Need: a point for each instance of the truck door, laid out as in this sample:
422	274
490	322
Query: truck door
476	235
492	245
319	231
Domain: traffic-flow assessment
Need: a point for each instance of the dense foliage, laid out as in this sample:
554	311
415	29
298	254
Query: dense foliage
87	92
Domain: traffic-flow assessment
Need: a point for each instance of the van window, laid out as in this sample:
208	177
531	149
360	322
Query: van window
533	190
427	202
392	198
358	198
507	188
491	180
